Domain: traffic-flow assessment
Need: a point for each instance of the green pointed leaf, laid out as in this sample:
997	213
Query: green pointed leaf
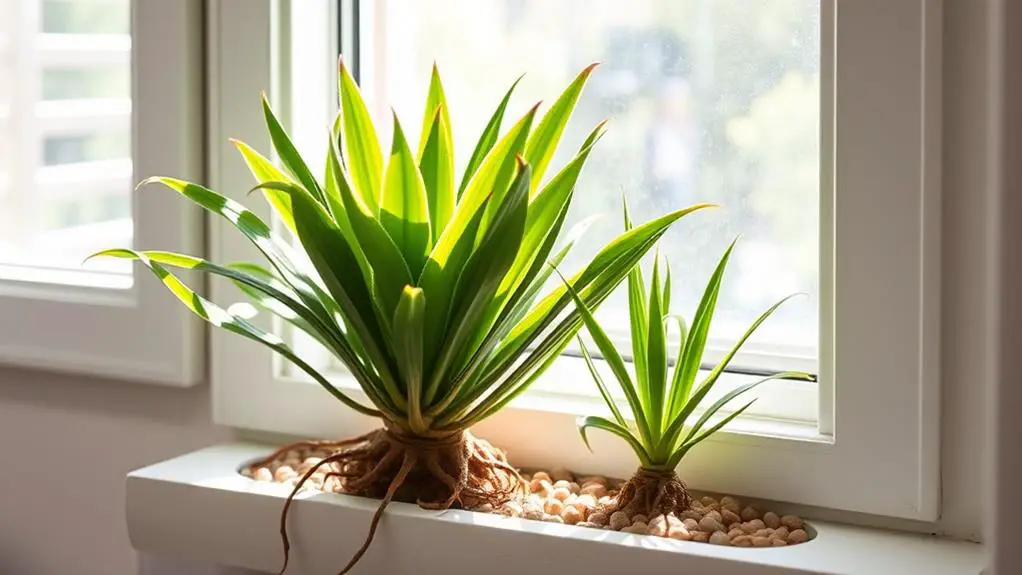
696	343
264	171
656	355
289	155
451	252
734	393
677	457
390	273
544	140
638	310
408	321
361	145
486	140
481	277
436	165
616	363
584	423
604	391
404	212
436	103
338	267
221	318
617	257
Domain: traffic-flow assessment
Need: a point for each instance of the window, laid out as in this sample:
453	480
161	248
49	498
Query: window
787	112
87	102
68	124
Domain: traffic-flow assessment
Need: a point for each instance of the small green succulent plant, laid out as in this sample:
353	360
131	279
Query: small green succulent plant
663	428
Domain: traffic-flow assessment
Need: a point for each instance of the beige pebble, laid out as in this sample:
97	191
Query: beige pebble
587	501
598	517
561	483
735	532
761	542
263	474
283	473
573	487
792	522
511	509
535	514
640	518
658	526
553	506
561	474
781	533
550	518
332	485
709	502
607	502
546	489
484	508
720	538
757	524
535	499
571	515
701	536
619	520
527	477
681	534
729	501
691	524
729	517
589	524
594	489
798	536
748	527
778	542
691	514
750	513
561	493
709	525
771	519
310	462
765	532
640	527
540	475
715	515
742	541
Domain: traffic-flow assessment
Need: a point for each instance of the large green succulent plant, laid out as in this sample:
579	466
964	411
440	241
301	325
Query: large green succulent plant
422	285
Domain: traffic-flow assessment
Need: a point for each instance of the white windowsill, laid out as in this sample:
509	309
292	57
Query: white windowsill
198	507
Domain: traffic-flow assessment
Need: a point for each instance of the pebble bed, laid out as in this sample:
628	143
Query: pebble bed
559	496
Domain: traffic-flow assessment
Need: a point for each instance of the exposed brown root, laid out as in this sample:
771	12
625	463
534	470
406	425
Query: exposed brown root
458	470
652	493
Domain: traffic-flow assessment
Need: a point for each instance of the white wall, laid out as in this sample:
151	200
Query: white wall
66	442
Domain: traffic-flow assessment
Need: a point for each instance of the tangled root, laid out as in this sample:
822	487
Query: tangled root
459	470
652	493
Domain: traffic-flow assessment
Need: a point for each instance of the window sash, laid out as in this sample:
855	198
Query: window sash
878	416
72	321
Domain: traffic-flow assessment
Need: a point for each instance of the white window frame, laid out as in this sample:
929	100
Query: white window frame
876	446
66	322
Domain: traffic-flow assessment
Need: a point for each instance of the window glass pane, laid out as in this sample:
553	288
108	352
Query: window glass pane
65	134
709	100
